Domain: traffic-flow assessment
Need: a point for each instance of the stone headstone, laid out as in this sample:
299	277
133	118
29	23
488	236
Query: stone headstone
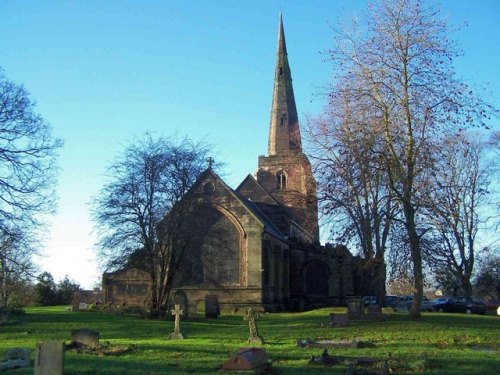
49	358
251	318
82	306
15	358
212	309
374	312
355	308
339	320
177	335
248	359
85	337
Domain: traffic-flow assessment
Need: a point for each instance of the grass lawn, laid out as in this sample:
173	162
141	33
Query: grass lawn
447	342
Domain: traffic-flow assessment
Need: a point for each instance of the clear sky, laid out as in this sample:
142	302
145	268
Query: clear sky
104	72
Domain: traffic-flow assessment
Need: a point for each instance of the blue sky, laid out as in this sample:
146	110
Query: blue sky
104	72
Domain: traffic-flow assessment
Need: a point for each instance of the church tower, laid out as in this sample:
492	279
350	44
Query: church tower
285	173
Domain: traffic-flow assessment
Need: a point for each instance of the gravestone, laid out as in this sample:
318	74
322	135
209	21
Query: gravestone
339	320
251	318
85	337
82	306
355	308
49	358
374	312
15	358
248	359
212	309
176	335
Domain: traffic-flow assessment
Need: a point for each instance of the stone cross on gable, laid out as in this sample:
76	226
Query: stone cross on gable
251	317
210	161
177	312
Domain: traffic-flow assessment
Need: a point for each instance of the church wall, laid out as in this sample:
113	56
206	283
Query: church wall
275	273
126	287
298	194
249	290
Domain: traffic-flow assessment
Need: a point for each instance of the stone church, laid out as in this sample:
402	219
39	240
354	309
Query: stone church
260	242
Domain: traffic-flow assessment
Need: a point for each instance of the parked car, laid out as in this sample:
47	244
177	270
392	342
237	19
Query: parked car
439	301
493	307
469	305
370	300
391	301
406	302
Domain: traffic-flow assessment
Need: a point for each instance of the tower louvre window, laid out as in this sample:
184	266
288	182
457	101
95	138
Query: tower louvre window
281	71
281	180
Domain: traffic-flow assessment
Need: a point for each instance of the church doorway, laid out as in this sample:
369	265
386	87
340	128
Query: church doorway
316	276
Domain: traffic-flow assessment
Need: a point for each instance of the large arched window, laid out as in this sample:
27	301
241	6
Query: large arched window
281	180
214	255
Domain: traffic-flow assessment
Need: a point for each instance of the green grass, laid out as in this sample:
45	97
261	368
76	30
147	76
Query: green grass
444	341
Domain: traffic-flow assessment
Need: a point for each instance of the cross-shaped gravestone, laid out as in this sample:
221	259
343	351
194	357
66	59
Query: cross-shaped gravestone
251	317
176	335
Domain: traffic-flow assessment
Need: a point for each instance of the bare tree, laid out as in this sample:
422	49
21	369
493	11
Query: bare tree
487	275
354	195
27	180
146	185
401	70
456	208
16	266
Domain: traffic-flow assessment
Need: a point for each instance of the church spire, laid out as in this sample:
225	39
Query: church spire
284	133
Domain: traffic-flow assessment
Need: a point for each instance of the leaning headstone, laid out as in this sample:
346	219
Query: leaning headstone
85	337
339	320
15	358
176	335
49	358
248	359
212	309
355	308
251	318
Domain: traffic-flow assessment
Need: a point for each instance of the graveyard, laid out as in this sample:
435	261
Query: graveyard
438	343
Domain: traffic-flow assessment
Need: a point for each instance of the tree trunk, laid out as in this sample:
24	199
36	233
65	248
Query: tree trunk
416	255
380	275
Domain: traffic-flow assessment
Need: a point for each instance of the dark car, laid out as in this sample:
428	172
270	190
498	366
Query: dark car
369	300
391	301
469	305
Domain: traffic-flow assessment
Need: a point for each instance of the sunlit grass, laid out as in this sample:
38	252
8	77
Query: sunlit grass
445	341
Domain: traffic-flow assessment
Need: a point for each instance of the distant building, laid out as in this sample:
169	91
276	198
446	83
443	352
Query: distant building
259	244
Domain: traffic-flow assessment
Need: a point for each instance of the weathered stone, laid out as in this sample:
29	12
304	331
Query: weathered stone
83	306
374	312
248	359
212	309
49	358
15	358
355	308
176	335
85	337
339	320
83	298
251	317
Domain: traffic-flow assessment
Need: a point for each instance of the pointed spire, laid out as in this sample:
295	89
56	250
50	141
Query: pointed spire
284	133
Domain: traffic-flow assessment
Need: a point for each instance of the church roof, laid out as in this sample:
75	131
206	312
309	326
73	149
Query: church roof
268	225
251	189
